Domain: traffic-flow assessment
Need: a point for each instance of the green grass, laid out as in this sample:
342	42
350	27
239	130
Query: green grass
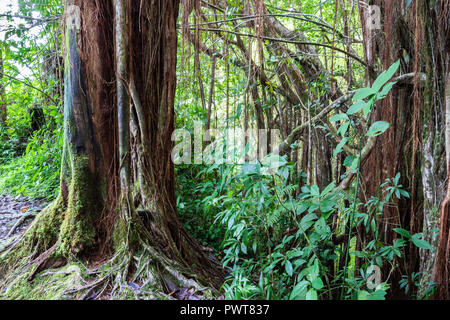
16	178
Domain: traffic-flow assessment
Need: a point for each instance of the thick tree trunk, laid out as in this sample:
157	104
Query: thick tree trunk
393	150
442	265
415	151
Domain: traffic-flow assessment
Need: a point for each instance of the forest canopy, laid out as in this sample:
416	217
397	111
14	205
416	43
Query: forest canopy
212	149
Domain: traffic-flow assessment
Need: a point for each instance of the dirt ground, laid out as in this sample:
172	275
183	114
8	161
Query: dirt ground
18	213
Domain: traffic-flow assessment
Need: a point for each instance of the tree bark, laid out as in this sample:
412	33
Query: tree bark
442	265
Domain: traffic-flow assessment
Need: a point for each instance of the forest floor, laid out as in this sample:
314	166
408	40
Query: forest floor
16	214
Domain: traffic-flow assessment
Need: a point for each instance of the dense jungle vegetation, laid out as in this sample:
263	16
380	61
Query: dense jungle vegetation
338	188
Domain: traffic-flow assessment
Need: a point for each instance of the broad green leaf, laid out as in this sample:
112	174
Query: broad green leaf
294	253
327	189
315	190
299	262
421	243
326	205
317	284
339	147
349	160
403	232
363	295
314	271
404	193
356	107
368	106
354	165
298	290
307	221
377	128
302	207
321	227
339	117
249	168
363	93
385	76
385	90
343	128
289	269
230	223
377	295
311	294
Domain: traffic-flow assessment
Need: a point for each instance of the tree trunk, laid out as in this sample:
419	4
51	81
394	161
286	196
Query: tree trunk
442	265
417	31
394	148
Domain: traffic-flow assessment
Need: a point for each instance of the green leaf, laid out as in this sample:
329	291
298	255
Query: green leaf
421	243
356	107
327	189
315	190
385	76
385	90
289	269
230	223
302	208
377	128
317	284
326	205
311	294
339	117
298	289
321	227
377	295
398	243
368	106
403	232
307	221
404	193
363	295
349	160
363	93
339	147
343	128
354	165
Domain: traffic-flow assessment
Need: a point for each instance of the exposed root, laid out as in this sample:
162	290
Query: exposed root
112	280
138	270
19	223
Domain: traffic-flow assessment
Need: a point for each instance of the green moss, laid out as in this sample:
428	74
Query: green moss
47	224
77	230
119	236
49	285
